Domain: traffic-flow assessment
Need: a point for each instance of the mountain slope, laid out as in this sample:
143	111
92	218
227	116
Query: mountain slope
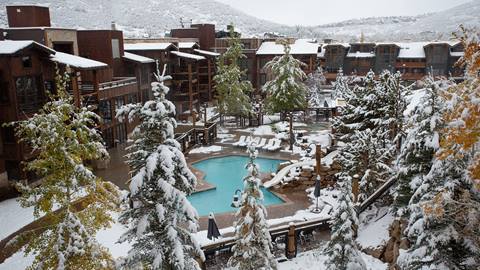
150	18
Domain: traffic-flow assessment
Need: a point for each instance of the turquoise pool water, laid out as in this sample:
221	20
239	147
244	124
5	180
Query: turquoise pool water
227	173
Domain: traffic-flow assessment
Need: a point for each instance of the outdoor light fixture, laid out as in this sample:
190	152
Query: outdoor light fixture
236	199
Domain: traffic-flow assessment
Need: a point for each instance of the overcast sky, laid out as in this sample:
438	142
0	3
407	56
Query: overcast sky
314	12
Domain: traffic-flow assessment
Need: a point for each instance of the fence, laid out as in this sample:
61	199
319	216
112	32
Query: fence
194	136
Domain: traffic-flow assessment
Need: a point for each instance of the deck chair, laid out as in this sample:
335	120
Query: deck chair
241	140
268	145
275	146
254	141
246	142
261	144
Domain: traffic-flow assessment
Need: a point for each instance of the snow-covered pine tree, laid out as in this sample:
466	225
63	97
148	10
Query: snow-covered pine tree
340	86
342	250
358	103
286	91
365	156
63	137
422	140
314	82
388	105
162	219
252	249
232	89
443	227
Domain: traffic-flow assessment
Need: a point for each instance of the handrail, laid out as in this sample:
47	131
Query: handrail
121	82
377	194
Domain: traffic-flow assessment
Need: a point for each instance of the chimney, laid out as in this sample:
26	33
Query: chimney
114	25
28	16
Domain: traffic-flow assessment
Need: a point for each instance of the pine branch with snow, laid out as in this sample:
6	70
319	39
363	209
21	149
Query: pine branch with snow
342	251
253	245
314	83
63	138
286	91
162	220
232	89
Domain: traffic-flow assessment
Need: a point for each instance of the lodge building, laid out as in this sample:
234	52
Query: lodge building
109	71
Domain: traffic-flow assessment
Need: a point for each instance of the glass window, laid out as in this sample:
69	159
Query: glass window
30	94
115	48
105	110
27	61
4	97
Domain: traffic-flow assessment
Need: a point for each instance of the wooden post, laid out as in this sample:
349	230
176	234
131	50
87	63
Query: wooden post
190	90
318	157
355	188
201	263
76	90
209	80
291	131
291	249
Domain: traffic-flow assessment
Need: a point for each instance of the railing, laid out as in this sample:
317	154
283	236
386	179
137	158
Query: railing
117	82
194	136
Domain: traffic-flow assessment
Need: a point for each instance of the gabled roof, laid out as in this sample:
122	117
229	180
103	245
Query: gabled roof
147	46
77	61
137	58
188	45
206	53
8	47
299	47
188	55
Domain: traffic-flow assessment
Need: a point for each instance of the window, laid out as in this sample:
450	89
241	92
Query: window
144	75
119	102
50	87
30	94
121	133
105	110
27	61
132	98
4	97
263	79
13	169
107	135
115	48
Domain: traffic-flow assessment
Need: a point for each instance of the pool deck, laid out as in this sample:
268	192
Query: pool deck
295	199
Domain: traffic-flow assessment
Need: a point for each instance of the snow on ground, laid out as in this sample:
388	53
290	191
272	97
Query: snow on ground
375	232
268	119
14	217
108	237
263	130
315	259
225	137
206	149
17	261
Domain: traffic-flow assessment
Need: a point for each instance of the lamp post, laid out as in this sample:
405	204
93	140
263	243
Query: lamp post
236	199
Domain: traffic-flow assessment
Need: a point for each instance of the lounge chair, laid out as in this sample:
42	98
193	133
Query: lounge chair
275	146
255	141
241	140
246	142
269	144
262	143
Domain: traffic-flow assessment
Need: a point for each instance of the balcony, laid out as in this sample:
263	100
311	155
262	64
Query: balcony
119	86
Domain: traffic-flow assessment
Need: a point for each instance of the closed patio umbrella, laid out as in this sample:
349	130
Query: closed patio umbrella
212	231
316	193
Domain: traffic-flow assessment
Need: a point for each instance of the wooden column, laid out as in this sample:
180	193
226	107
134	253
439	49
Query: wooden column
76	90
190	91
318	158
209	80
291	249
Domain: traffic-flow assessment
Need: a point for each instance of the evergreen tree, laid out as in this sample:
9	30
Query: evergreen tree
162	219
422	141
232	89
64	137
340	86
444	217
314	82
342	250
252	249
286	92
365	157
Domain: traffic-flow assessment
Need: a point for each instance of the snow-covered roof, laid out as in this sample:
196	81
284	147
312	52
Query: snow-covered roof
76	61
187	45
457	54
208	53
188	55
156	46
361	55
345	45
299	47
137	58
13	46
412	50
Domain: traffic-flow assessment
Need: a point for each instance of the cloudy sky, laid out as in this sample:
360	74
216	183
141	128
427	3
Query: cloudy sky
314	12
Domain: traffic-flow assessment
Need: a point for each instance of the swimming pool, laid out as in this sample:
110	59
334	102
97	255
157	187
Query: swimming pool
227	173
